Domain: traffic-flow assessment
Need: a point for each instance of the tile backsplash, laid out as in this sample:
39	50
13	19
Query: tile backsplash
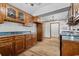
15	27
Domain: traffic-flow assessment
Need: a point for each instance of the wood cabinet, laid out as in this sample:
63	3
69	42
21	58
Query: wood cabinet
2	12
28	41
35	18
28	19
15	14
34	39
5	14
14	45
6	46
70	48
19	44
6	49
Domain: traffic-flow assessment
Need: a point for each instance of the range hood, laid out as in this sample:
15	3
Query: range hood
73	18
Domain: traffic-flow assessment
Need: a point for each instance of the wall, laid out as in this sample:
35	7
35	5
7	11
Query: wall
60	18
75	27
46	27
10	26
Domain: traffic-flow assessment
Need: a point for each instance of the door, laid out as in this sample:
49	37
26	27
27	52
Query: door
54	30
39	32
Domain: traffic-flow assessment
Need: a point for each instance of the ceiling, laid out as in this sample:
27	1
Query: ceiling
41	9
27	7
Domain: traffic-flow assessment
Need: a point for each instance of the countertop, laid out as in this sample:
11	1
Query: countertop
12	35
7	34
70	37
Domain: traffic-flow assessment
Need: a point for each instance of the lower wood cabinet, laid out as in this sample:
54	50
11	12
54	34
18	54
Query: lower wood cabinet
28	41
70	48
6	46
14	45
34	40
19	46
7	49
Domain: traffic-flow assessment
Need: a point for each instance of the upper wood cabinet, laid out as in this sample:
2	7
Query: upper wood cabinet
2	12
35	18
28	19
13	14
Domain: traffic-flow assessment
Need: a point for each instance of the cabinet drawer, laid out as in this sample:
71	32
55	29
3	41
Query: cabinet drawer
20	37
6	39
28	37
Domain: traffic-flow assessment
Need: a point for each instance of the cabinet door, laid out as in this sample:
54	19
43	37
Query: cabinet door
28	43
2	12
28	19
19	46
6	49
34	40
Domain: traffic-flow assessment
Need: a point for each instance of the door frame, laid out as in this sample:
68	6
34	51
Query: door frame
58	28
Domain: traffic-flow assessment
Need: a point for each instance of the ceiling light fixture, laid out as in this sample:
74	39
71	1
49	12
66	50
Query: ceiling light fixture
33	4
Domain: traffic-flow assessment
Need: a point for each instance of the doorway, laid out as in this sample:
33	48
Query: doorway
54	30
39	31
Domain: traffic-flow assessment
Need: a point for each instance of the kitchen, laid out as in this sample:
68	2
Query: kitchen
26	29
14	30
